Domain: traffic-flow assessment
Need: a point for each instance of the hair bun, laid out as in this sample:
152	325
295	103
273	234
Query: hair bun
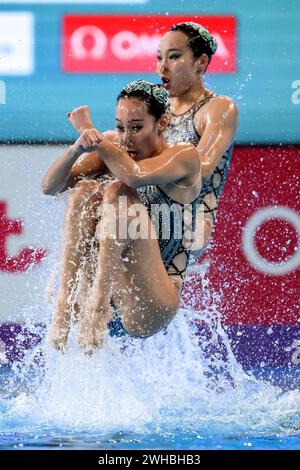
158	92
202	32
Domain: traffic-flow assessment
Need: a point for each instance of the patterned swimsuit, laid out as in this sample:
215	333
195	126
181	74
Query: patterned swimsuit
181	129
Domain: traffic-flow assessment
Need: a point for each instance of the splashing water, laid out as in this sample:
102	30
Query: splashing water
162	392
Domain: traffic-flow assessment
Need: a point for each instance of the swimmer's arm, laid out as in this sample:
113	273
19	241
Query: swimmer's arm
57	177
219	129
87	164
70	167
173	164
91	163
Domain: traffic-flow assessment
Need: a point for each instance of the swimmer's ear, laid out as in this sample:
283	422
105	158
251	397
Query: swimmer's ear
163	123
202	63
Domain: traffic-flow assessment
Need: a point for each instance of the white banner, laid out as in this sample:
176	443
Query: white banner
16	43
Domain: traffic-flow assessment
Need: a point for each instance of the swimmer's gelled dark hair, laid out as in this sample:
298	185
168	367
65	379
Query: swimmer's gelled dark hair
154	95
200	41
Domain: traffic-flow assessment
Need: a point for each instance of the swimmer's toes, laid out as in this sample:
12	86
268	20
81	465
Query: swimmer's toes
57	342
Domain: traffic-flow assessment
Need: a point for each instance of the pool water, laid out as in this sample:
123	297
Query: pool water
165	392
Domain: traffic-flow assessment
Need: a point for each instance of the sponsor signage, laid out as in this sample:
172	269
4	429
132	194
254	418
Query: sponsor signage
128	43
255	255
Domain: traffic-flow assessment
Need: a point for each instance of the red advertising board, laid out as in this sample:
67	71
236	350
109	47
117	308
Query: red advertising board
128	43
255	254
27	258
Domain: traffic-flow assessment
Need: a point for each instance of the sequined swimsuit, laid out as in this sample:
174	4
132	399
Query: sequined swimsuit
182	129
174	218
175	225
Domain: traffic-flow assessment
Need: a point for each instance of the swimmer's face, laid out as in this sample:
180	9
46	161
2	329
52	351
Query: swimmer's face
176	64
137	129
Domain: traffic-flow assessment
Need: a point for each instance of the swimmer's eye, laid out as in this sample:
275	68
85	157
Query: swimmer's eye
132	129
171	57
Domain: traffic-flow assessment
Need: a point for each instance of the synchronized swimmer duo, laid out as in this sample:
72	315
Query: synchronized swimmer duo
171	149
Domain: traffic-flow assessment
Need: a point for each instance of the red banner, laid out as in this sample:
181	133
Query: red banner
27	258
255	254
128	43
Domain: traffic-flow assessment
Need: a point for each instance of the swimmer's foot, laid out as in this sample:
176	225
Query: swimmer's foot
60	327
91	340
76	312
93	329
58	334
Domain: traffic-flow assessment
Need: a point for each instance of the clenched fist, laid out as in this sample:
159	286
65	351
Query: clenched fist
80	118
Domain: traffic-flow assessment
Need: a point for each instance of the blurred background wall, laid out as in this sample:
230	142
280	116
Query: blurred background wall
41	85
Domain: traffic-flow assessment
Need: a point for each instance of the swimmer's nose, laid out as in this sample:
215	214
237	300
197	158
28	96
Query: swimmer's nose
161	66
126	138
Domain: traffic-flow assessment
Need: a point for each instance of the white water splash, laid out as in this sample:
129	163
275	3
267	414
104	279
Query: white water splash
161	384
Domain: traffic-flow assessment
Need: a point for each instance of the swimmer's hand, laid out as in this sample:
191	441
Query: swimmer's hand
80	119
88	141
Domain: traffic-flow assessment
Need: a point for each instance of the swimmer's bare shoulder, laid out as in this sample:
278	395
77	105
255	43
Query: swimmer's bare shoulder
215	110
221	104
216	123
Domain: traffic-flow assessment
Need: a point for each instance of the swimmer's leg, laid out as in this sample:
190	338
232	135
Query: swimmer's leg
79	229
132	272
